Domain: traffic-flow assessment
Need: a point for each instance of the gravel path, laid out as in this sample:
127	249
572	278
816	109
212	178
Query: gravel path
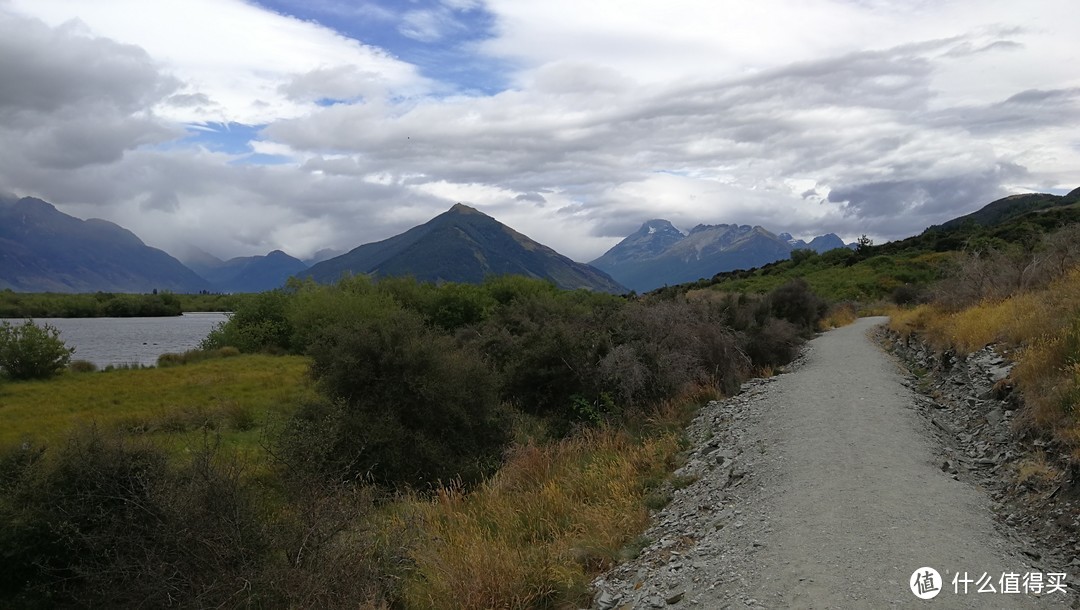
816	489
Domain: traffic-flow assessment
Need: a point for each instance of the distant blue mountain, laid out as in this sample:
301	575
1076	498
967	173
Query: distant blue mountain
658	254
45	250
246	273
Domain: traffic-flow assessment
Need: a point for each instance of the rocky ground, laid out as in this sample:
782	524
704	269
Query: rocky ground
973	408
826	486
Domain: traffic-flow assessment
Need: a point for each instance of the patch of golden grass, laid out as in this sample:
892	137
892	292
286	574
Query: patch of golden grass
1043	326
232	396
906	321
538	531
838	315
1036	470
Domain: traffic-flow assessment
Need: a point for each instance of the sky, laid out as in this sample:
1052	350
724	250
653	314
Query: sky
239	127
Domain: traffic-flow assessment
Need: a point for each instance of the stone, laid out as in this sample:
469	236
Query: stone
994	416
607	601
675	597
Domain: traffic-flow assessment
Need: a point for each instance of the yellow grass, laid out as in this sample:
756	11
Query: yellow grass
1042	327
231	396
536	533
838	315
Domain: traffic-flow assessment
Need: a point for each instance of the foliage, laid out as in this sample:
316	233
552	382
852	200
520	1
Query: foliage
96	305
258	324
1028	307
196	355
29	351
409	406
107	522
390	480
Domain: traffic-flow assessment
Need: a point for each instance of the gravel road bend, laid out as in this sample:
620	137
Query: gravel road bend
818	489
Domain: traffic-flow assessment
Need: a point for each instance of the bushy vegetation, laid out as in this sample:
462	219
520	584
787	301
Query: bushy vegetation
467	446
97	305
397	360
1024	300
109	522
29	351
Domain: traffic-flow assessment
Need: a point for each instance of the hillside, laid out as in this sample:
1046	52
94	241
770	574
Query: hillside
462	245
909	265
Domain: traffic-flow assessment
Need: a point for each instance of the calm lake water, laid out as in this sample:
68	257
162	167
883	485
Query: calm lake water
106	341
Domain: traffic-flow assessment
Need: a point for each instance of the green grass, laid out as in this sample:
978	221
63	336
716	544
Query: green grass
868	280
233	397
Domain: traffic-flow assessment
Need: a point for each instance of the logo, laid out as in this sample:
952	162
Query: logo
925	583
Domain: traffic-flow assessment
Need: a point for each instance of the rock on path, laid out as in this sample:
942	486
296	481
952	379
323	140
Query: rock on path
818	489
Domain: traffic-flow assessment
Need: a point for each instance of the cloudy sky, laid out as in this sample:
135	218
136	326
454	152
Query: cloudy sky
239	126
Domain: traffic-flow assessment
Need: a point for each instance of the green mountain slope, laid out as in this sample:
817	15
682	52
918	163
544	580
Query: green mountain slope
879	271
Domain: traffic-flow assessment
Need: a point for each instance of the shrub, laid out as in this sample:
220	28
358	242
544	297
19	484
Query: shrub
801	255
796	303
773	344
30	351
82	366
259	324
107	523
408	405
905	294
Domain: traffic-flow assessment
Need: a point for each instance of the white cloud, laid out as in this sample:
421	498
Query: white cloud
252	65
896	114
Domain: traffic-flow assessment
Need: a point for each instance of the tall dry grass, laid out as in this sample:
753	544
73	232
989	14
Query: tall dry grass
1041	326
534	535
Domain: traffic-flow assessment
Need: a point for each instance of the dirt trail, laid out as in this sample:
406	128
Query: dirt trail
831	500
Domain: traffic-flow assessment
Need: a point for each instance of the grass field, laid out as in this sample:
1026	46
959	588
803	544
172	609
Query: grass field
234	397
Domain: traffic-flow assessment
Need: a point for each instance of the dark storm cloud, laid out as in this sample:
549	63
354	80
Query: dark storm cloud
1024	111
880	202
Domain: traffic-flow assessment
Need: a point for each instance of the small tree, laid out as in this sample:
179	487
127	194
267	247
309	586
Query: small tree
30	351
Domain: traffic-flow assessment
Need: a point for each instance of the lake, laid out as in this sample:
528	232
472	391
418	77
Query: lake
106	341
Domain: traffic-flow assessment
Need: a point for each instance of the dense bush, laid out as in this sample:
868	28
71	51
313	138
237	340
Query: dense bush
413	374
796	303
991	271
29	351
108	523
408	405
259	324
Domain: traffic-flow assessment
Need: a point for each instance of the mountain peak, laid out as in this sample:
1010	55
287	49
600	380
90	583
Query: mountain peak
461	208
462	245
658	225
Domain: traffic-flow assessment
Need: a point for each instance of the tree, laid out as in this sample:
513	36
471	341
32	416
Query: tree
862	246
30	351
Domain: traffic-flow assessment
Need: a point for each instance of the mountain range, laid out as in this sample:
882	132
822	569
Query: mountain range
244	273
658	254
43	249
